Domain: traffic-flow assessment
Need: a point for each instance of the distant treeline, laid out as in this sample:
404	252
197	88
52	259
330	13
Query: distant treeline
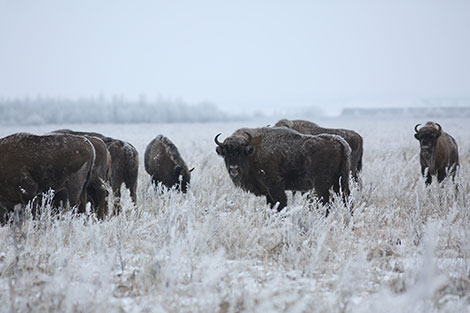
429	112
41	110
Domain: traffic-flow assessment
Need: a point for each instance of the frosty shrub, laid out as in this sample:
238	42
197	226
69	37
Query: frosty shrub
218	249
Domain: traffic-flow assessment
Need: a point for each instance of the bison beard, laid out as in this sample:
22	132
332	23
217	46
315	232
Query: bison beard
268	161
439	152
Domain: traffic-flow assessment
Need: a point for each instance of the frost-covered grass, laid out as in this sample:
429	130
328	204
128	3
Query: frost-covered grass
218	249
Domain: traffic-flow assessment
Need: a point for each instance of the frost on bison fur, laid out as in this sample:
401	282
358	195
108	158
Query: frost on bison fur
352	138
124	167
164	164
268	161
439	152
124	164
31	165
96	190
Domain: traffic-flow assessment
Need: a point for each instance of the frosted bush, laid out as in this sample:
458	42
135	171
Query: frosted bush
220	249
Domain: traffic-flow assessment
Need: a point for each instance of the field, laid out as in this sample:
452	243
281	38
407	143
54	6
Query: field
219	249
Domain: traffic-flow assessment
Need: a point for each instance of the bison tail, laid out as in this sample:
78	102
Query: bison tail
131	158
89	165
345	167
359	164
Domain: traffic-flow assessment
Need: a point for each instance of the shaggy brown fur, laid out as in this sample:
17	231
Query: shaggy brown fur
124	165
101	172
268	161
31	165
352	138
439	152
164	164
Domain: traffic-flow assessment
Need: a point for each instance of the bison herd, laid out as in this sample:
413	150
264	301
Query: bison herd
296	155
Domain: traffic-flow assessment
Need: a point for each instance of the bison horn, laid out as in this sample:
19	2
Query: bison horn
439	128
217	140
416	127
249	137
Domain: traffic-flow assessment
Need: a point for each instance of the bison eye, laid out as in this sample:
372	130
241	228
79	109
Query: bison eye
219	151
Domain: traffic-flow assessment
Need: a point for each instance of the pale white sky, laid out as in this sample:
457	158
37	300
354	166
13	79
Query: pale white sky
237	53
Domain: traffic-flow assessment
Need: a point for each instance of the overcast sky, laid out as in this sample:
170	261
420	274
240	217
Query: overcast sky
237	53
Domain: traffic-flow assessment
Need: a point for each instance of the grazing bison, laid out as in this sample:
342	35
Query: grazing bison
164	164
268	161
124	165
439	152
101	172
352	138
31	165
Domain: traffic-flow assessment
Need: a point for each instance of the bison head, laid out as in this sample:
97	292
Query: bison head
427	136
235	150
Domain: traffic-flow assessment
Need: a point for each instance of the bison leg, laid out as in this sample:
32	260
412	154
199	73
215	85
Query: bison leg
337	189
322	189
131	183
97	194
60	200
277	194
441	174
133	191
117	201
323	194
83	199
425	173
4	214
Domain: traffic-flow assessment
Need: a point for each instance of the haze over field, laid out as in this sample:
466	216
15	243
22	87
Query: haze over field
241	55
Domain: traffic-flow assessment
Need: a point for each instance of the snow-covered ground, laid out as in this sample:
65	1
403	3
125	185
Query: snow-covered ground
219	249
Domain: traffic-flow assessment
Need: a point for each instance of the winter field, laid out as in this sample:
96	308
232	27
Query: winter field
219	249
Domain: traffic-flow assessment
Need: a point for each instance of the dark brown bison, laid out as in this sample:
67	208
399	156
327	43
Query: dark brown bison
268	161
31	165
101	172
352	138
124	165
439	152
164	164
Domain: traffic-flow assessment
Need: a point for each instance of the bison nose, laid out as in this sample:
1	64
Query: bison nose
233	170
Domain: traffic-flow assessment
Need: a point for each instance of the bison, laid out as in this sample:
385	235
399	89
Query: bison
124	167
101	172
268	161
352	138
31	165
124	164
439	152
164	164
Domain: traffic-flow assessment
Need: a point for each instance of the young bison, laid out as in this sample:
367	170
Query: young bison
164	164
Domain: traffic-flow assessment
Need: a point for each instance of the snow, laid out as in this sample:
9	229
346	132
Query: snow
219	249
